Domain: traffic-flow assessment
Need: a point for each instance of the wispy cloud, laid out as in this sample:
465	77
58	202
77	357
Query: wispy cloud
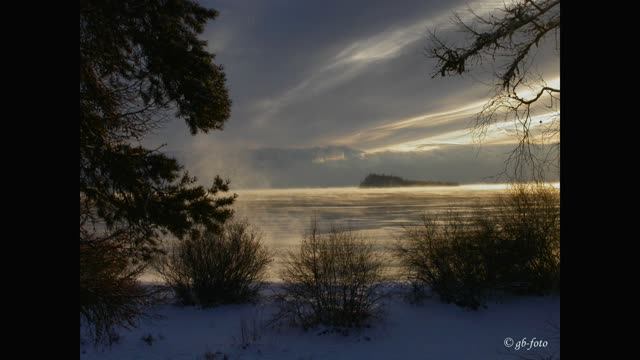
412	130
500	133
357	57
424	121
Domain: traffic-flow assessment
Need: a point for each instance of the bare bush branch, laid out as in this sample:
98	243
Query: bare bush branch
508	39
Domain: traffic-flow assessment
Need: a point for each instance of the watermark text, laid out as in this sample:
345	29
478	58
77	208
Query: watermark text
525	344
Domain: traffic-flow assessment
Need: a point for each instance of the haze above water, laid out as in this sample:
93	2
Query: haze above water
283	215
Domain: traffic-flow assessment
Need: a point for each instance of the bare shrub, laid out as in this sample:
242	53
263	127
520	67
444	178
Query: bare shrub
334	279
529	220
512	245
442	254
218	267
110	294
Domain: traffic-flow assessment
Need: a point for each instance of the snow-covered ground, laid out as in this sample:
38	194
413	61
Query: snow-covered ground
430	330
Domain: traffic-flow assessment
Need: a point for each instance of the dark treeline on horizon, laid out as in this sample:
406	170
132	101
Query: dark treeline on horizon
382	180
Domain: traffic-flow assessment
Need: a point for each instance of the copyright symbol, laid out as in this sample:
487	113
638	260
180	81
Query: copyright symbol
508	342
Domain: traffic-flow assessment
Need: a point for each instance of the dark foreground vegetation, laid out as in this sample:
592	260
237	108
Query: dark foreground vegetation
110	293
512	247
216	268
141	63
507	246
333	279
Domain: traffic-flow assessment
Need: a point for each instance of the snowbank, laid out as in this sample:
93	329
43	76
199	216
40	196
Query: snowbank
431	330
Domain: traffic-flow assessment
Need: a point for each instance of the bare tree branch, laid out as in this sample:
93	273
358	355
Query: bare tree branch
509	36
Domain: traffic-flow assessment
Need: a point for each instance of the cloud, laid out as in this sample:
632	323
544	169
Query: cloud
345	166
324	92
356	57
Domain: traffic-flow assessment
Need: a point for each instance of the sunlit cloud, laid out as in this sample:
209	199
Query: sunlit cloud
416	122
500	133
414	129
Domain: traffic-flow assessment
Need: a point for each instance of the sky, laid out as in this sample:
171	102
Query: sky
325	92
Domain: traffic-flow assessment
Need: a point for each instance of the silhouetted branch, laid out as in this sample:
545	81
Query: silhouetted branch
509	36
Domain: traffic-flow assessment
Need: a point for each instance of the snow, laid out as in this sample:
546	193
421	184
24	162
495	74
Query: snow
430	330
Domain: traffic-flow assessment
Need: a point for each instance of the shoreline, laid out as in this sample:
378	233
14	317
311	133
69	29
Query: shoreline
463	186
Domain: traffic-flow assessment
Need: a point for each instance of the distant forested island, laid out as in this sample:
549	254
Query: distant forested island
381	180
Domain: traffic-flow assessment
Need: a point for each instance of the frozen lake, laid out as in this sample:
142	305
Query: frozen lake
283	215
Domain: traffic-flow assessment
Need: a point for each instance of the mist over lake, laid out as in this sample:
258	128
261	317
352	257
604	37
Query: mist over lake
284	215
